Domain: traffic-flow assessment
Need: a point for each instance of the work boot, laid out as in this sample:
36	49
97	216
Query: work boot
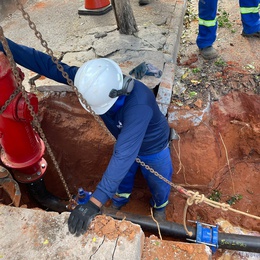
113	206
118	202
144	2
251	35
159	214
208	53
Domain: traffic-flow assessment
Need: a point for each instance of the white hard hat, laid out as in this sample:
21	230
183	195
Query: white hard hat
95	79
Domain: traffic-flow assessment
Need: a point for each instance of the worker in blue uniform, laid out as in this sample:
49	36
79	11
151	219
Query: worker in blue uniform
249	10
130	112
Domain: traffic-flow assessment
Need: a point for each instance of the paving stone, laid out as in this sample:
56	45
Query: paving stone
28	234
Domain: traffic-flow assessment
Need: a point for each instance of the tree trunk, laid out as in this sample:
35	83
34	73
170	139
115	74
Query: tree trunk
125	19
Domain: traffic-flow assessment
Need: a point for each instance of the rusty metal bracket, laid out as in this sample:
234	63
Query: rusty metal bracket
10	186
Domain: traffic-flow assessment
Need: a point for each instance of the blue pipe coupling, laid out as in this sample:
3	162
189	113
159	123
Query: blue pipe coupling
206	234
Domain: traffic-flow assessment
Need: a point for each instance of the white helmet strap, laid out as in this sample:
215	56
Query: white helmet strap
128	85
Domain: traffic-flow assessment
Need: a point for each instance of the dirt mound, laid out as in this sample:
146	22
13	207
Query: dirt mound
217	104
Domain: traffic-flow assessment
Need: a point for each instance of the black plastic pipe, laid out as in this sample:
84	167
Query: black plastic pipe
239	242
225	241
47	200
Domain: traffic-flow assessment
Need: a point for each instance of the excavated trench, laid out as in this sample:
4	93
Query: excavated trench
217	156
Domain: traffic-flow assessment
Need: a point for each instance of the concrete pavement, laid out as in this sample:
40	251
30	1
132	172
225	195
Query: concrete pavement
80	38
37	234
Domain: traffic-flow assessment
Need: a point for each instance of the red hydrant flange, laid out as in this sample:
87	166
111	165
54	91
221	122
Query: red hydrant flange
22	148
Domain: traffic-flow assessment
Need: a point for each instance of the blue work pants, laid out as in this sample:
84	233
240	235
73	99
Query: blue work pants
160	162
249	10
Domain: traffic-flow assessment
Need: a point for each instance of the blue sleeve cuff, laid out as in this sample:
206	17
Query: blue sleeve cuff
100	196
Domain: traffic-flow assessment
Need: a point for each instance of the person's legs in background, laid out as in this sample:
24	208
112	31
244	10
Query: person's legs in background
250	17
207	28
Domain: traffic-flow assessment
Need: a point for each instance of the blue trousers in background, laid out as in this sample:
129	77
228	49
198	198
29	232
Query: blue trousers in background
249	10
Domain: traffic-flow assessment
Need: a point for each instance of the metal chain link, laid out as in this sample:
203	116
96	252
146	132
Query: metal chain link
147	167
177	187
15	71
21	88
7	103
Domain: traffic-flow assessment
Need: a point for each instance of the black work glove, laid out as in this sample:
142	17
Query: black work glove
139	71
81	217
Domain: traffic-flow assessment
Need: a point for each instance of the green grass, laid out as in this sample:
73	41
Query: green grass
196	70
234	199
223	19
215	195
220	62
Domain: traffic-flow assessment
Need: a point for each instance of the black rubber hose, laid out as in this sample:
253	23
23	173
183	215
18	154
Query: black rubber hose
47	200
171	229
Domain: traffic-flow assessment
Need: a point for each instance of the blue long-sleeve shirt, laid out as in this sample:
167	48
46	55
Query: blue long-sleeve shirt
39	62
140	129
138	124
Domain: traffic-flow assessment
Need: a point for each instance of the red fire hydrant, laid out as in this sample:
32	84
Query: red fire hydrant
22	148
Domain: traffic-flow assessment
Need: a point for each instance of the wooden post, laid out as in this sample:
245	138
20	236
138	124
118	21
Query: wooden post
125	19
